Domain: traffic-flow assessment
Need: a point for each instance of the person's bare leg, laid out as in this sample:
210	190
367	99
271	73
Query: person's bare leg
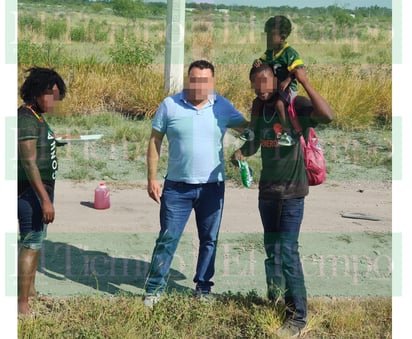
32	289
27	266
284	138
281	109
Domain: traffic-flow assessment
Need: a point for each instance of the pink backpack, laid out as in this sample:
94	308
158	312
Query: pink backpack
315	162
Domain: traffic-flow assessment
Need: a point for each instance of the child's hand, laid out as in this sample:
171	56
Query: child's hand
284	84
257	63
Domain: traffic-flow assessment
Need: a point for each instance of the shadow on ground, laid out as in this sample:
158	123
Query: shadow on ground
97	269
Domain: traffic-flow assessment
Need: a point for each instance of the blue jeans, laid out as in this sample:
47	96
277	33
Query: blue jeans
32	230
177	201
284	275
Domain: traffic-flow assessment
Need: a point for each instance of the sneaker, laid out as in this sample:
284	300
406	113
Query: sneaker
151	299
286	140
289	329
247	135
205	296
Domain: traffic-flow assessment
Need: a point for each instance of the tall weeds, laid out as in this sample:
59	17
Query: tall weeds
112	63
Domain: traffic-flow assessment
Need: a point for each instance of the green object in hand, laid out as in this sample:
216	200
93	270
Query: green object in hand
246	173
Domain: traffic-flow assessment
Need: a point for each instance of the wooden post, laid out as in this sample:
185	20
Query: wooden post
175	46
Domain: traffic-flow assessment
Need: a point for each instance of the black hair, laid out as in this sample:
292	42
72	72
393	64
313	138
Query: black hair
280	23
262	67
202	64
39	81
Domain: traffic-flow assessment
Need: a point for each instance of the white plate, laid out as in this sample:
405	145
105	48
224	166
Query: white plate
89	137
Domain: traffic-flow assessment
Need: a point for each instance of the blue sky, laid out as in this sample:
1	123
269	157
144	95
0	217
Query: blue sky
298	3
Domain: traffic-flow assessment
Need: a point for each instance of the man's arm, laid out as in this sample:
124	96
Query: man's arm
152	158
322	112
242	126
249	147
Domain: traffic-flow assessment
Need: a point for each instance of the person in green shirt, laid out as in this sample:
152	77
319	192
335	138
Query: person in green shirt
37	167
285	60
283	186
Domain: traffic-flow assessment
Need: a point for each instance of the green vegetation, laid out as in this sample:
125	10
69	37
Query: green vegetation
180	316
347	53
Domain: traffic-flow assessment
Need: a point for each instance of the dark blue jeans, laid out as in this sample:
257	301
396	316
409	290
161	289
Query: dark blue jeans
177	202
284	275
32	230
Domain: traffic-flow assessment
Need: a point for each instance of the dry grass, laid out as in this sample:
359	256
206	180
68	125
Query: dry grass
350	68
180	316
360	97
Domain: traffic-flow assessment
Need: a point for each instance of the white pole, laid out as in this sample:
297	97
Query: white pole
175	46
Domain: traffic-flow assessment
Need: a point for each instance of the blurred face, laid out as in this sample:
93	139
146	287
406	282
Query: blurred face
264	84
48	99
273	39
199	85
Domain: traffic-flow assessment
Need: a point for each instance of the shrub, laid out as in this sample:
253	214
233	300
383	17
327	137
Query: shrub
348	55
97	7
55	29
128	8
78	34
132	54
28	53
29	23
44	54
99	30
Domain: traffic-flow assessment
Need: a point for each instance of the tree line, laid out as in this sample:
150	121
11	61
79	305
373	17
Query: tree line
137	8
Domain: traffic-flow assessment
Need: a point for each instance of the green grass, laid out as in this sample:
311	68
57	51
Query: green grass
181	316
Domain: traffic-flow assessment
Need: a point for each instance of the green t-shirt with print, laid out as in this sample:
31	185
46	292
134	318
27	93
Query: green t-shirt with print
283	62
32	125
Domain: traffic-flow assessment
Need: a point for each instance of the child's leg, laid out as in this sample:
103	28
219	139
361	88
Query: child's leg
285	139
281	108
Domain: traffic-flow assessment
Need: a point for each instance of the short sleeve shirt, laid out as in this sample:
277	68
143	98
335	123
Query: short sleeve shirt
33	126
283	174
195	137
284	61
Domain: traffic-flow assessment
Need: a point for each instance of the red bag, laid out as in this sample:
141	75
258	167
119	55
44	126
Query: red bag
315	162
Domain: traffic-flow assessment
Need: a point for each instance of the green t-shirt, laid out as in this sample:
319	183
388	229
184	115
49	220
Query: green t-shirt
283	174
31	125
283	62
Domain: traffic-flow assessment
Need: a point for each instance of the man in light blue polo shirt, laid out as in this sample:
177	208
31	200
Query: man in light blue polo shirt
194	122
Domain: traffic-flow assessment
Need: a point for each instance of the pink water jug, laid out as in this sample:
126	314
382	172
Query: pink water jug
101	197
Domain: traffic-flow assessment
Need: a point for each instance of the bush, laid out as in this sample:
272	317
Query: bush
55	29
97	7
132	54
128	8
46	54
78	34
98	30
348	55
29	23
29	53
